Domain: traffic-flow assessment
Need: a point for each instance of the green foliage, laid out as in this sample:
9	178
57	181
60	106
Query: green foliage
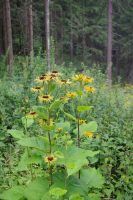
103	161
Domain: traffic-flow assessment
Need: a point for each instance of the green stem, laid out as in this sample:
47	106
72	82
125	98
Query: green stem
28	152
78	140
50	151
50	175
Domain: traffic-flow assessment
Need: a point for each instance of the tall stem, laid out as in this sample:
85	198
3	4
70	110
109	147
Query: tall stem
27	148
49	136
78	140
50	150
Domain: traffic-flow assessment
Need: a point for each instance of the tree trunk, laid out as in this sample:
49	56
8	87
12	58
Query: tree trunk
8	36
109	47
83	32
28	18
130	76
1	33
71	32
47	27
30	29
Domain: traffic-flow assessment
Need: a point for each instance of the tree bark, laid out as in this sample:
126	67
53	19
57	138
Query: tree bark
71	32
8	36
109	47
28	18
30	32
47	27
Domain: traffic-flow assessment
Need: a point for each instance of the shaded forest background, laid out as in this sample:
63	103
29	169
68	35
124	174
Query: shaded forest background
78	32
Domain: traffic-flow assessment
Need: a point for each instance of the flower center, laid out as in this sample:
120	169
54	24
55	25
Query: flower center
50	158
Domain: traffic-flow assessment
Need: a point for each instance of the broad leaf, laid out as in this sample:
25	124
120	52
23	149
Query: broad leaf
72	184
70	116
64	125
91	126
75	158
76	197
92	177
15	193
56	105
40	143
36	189
57	192
18	134
27	122
93	196
84	108
41	111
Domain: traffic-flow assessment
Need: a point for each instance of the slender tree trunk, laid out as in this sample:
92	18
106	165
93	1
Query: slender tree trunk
30	29
4	28
71	32
1	33
83	29
109	47
8	36
28	18
130	76
47	27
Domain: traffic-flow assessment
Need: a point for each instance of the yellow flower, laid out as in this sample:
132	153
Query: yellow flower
43	122
31	114
50	159
63	82
82	121
56	73
53	75
64	98
59	130
88	134
71	94
45	98
36	89
79	77
87	79
42	79
89	89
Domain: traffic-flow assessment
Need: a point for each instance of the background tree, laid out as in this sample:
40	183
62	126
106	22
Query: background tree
8	35
47	28
109	48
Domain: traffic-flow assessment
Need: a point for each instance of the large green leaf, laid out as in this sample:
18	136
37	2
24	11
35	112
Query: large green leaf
22	165
72	184
56	105
57	192
41	111
93	196
40	143
76	197
75	158
26	160
36	189
64	125
15	193
84	108
92	177
27	122
18	134
91	126
70	116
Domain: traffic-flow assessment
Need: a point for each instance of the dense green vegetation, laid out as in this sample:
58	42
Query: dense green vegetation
109	169
66	100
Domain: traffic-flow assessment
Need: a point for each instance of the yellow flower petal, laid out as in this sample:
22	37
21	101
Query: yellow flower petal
88	134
